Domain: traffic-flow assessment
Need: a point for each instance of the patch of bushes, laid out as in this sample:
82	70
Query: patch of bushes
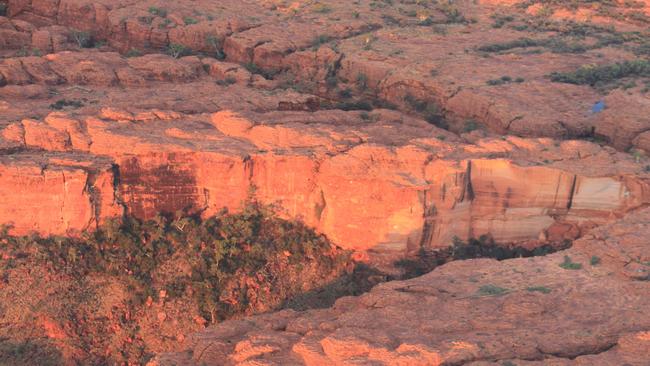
517	43
500	20
157	11
176	50
362	82
190	21
429	109
3	9
542	289
567	263
453	15
165	23
491	290
146	19
236	259
133	52
320	40
29	352
215	43
82	39
227	81
63	103
362	105
483	247
253	68
470	125
598	75
504	80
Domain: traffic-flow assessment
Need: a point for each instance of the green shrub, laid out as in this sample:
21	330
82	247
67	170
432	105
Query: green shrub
568	264
594	260
504	80
216	44
190	20
3	9
542	289
491	290
517	43
221	250
362	82
501	20
165	23
227	81
82	38
157	11
176	50
133	52
319	40
597	75
146	19
62	103
470	125
357	105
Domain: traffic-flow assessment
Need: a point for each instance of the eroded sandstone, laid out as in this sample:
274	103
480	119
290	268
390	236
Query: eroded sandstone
477	312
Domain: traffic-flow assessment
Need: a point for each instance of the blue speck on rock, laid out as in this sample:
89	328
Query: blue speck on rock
598	107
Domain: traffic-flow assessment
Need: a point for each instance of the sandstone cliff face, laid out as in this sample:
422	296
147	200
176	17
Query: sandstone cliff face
351	175
348	177
387	126
476	312
381	181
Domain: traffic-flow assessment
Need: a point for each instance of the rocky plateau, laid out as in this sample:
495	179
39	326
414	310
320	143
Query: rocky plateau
392	127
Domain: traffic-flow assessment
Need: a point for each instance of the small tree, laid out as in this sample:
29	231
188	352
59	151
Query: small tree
82	38
176	50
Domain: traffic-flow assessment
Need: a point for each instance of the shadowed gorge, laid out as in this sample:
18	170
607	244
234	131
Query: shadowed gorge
270	182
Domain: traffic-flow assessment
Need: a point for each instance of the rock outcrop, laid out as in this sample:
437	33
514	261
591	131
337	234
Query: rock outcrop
389	126
529	311
351	175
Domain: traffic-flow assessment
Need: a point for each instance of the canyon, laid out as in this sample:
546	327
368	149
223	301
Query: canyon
391	127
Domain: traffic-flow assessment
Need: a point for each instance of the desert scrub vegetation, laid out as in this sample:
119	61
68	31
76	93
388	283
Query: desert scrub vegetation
567	263
491	290
483	247
176	50
239	263
504	80
542	289
66	103
431	112
604	74
161	12
619	10
190	20
216	44
83	39
557	44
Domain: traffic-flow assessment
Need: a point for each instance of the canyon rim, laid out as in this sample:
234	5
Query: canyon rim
369	182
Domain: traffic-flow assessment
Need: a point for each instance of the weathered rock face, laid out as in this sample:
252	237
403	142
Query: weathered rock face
476	312
56	194
379	181
349	178
379	124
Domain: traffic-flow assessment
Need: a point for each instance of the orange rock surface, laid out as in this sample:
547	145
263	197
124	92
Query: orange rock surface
389	126
197	133
527	311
